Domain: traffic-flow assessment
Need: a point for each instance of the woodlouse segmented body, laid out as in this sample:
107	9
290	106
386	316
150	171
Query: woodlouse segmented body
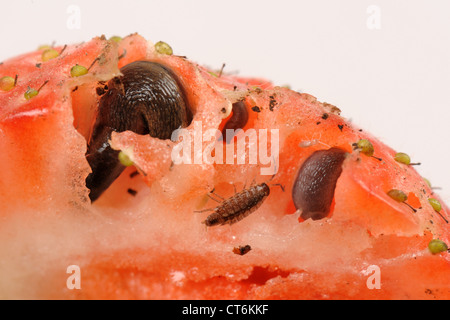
238	206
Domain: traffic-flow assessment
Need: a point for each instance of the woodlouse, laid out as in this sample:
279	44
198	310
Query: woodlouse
239	206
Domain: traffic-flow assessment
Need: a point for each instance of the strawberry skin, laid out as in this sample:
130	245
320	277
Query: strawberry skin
151	244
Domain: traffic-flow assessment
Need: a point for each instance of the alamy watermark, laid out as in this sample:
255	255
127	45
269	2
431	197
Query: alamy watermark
374	277
198	147
74	280
374	19
373	273
73	21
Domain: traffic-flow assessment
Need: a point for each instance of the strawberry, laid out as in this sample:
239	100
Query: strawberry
352	218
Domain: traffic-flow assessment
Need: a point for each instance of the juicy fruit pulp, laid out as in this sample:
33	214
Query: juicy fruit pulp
151	243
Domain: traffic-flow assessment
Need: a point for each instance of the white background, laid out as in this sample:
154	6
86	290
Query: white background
394	81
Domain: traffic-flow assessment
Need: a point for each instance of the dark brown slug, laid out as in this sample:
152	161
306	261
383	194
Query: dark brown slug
314	187
147	99
237	121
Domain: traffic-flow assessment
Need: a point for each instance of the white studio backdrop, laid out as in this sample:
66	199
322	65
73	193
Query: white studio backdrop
385	64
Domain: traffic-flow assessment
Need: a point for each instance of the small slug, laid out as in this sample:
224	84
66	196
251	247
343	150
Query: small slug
237	121
313	189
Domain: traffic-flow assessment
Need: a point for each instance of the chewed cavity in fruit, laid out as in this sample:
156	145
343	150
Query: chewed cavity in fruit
89	179
146	99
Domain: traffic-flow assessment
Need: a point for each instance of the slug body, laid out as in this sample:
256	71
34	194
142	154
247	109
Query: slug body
146	99
237	121
314	187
